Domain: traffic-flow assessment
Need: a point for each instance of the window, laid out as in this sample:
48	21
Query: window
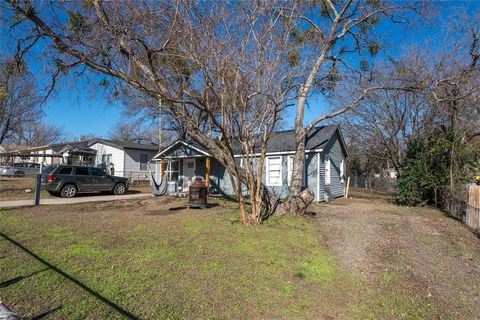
97	172
67	170
274	171
289	168
327	169
342	171
172	170
82	171
143	161
106	158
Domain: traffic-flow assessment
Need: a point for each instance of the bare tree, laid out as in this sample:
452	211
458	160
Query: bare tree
37	133
443	102
19	103
134	130
332	34
383	122
217	67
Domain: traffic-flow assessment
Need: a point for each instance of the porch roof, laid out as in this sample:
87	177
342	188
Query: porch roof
78	150
182	149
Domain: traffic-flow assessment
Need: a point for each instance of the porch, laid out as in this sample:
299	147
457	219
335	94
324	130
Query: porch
181	172
78	155
181	162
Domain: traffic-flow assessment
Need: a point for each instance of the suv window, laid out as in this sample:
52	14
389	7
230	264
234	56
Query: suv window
82	171
18	164
97	172
67	170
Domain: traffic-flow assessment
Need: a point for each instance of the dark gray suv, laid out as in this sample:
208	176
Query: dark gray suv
68	180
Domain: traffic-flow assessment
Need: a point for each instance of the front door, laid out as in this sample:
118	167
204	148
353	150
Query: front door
188	171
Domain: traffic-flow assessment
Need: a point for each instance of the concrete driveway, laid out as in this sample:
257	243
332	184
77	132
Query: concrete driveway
79	199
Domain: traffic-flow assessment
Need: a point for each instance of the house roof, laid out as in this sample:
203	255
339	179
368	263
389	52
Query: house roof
284	141
280	141
124	144
196	147
57	147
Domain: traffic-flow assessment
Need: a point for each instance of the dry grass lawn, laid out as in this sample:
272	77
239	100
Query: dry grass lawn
153	259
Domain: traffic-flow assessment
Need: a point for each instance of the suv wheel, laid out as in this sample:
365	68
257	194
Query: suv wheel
119	189
68	191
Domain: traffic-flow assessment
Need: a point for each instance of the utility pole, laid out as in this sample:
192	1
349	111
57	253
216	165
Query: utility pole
160	123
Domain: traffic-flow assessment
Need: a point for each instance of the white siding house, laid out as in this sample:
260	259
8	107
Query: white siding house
128	159
107	154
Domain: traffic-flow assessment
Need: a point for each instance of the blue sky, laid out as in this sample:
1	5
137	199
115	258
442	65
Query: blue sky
80	112
82	117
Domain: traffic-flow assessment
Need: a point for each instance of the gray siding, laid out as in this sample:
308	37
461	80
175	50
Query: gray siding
221	183
220	180
181	150
336	152
132	159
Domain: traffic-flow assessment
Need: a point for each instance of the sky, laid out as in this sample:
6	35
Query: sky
81	112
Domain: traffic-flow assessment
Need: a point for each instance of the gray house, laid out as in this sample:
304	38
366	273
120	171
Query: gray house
325	157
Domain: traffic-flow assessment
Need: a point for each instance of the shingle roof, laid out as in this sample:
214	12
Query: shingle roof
56	147
280	141
124	144
283	141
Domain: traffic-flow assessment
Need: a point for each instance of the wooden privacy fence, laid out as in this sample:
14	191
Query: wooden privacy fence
473	207
464	205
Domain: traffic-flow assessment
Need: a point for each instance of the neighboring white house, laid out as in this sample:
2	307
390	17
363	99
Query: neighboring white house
128	159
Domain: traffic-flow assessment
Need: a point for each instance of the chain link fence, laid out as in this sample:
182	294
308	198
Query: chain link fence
380	184
15	191
20	189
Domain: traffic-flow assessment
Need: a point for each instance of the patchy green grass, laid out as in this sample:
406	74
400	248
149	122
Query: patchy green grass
147	261
154	259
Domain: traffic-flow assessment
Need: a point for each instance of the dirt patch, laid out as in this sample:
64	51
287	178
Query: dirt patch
159	213
406	252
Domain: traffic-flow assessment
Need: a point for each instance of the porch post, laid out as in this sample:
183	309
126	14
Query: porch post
207	173
162	168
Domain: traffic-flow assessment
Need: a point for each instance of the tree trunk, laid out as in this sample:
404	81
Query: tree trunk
295	202
296	182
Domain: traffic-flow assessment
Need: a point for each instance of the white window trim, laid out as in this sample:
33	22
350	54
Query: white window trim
169	170
328	177
267	172
289	171
318	175
342	171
